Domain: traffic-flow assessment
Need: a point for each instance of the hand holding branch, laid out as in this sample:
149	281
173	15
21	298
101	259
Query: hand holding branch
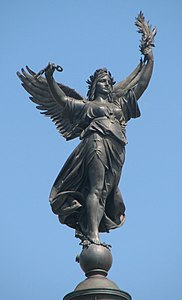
148	34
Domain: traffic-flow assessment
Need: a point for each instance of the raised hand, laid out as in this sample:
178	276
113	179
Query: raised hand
148	34
49	70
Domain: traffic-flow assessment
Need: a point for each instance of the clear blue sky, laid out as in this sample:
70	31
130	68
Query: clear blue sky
37	252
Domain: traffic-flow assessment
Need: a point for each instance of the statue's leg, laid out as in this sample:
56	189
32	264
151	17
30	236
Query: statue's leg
94	210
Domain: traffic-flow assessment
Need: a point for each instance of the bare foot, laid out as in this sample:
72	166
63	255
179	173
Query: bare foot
93	238
87	236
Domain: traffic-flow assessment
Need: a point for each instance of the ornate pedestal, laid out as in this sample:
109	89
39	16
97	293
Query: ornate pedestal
95	261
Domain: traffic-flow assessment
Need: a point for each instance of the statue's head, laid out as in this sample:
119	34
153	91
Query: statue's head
100	83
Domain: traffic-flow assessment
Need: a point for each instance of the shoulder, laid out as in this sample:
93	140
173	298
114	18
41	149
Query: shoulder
75	103
129	106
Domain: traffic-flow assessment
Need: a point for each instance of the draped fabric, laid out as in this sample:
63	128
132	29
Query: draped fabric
103	138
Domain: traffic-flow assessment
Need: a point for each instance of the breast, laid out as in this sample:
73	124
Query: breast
96	110
117	113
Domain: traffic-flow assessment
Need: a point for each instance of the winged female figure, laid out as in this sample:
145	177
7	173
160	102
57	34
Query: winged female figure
85	195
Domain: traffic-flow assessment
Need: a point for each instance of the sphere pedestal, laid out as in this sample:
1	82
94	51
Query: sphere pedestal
95	261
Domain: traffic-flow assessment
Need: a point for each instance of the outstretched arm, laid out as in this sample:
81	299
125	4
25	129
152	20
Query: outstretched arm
145	76
139	79
57	93
147	42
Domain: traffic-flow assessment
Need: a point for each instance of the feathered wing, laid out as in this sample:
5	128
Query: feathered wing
40	94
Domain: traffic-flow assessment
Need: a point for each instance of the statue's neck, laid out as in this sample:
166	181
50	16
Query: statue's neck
102	99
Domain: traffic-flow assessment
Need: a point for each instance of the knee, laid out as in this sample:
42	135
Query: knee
96	193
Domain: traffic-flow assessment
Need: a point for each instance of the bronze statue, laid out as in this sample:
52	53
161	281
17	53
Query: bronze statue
85	194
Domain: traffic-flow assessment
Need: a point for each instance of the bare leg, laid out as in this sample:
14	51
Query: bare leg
94	211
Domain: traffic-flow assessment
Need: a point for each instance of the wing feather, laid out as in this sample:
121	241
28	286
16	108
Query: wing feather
40	95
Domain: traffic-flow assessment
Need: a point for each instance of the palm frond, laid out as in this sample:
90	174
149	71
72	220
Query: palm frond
148	34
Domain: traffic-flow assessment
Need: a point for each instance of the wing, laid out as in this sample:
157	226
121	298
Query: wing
40	94
121	88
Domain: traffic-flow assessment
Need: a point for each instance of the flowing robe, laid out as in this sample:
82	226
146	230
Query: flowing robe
103	137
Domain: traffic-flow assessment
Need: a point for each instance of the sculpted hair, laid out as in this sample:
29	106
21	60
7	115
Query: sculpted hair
92	83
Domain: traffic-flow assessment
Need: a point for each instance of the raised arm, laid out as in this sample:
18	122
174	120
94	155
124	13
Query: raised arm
145	76
147	42
139	79
56	92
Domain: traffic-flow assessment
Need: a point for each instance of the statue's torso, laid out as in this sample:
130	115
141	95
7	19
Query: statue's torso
105	119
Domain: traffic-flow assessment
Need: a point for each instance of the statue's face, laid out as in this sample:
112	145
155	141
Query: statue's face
104	85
